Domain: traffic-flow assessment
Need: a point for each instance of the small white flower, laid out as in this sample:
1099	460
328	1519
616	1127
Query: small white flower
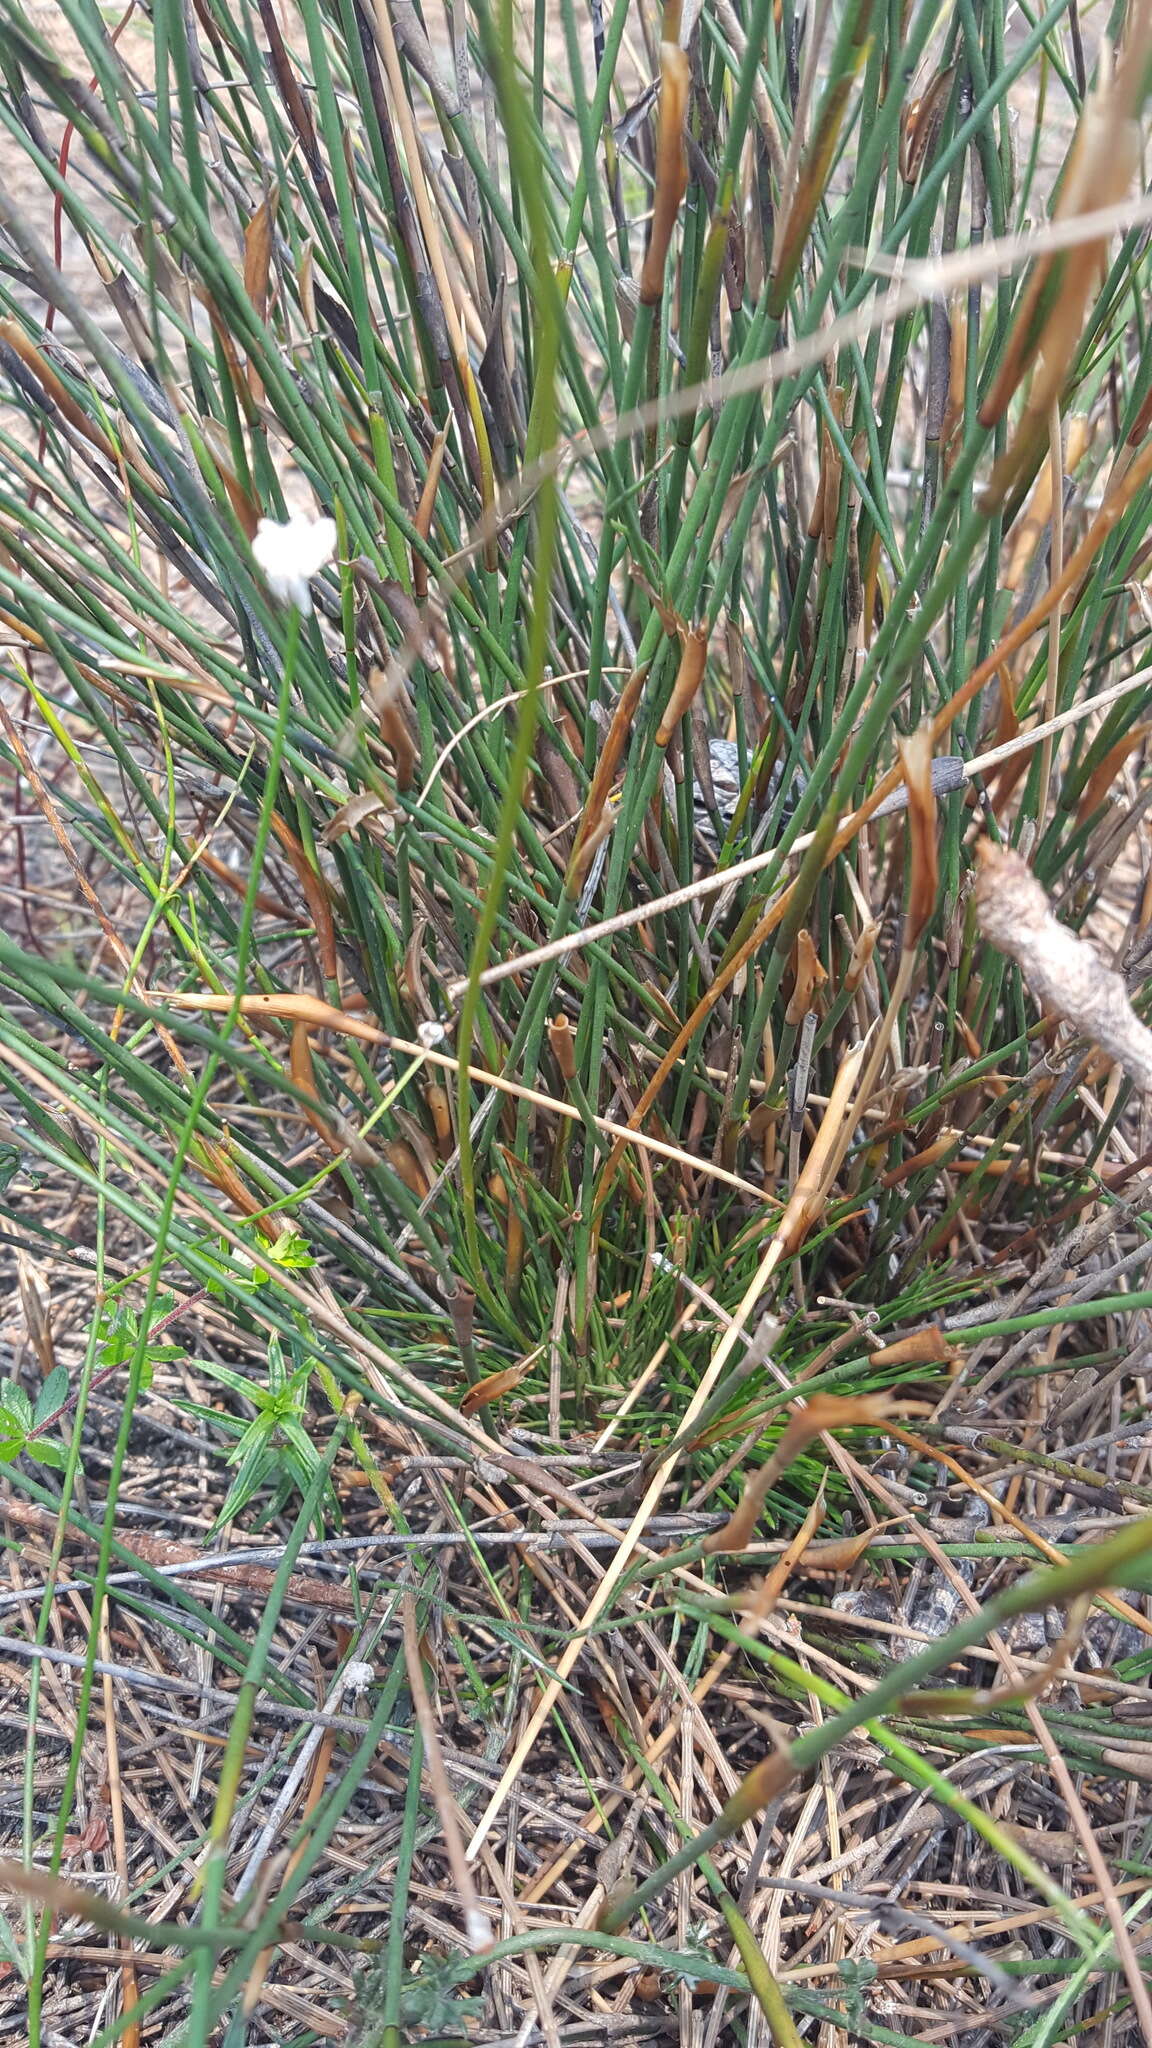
431	1034
358	1677
291	553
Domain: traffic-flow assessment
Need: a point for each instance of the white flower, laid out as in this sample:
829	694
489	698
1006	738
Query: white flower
289	554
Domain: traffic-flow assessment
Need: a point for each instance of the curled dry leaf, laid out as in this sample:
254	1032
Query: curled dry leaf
922	124
923	1347
671	168
1051	1846
842	1553
1063	971
816	1176
1105	772
810	975
589	833
495	1385
335	1130
366	809
689	676
861	955
823	1411
923	875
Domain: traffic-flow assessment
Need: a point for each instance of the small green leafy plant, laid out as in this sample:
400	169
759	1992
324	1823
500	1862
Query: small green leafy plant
239	1268
118	1334
21	1421
273	1449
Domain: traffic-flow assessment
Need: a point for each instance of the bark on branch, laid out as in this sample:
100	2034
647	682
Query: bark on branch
1064	972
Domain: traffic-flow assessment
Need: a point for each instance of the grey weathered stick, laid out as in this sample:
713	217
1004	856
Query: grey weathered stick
1064	972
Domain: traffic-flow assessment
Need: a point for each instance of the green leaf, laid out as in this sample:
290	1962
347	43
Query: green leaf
16	1402
290	1252
47	1452
52	1395
302	1445
256	1433
258	1467
228	1423
118	1333
235	1381
13	1436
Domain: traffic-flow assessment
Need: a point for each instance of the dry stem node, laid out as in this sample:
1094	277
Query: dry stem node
1064	972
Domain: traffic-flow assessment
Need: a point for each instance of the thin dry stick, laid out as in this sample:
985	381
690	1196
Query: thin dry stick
723	878
761	1605
728	1342
321	1016
934	279
1125	1952
819	1169
1064	972
1055	572
999	1510
542	1986
476	1923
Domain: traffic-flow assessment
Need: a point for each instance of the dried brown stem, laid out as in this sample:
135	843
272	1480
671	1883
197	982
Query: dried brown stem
1063	971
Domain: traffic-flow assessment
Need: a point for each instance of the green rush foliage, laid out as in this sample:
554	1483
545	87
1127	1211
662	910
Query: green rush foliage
382	266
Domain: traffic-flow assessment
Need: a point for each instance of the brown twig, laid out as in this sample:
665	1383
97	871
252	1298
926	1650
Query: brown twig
1063	971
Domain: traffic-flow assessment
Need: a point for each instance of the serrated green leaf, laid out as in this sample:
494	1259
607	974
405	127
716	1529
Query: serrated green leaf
47	1452
13	1436
16	1403
52	1395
